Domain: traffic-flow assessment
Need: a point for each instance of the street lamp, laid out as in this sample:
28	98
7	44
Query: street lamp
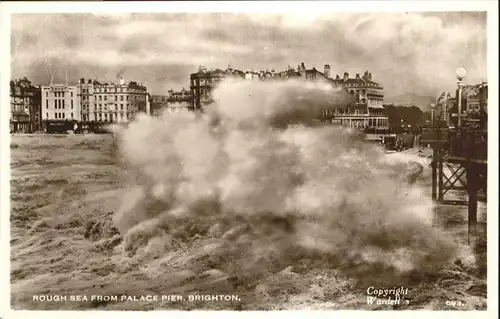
433	107
461	72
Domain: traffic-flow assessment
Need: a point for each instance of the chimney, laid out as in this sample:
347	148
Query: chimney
346	76
357	75
302	66
369	76
327	71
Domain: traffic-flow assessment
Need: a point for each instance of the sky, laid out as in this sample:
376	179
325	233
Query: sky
405	52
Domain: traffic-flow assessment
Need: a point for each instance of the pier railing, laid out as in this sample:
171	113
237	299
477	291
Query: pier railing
468	144
465	144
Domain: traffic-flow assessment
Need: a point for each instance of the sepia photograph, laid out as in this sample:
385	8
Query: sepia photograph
248	160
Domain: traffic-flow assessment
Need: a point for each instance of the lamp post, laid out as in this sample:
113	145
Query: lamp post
461	72
433	107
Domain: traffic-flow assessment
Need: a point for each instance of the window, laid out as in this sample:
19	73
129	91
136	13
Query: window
47	104
121	106
47	94
71	104
105	98
116	98
63	104
100	98
47	115
71	114
121	97
127	98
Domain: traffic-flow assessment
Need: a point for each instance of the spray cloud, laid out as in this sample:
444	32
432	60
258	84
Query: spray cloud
272	193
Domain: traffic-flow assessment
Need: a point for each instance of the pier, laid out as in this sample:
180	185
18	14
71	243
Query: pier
459	163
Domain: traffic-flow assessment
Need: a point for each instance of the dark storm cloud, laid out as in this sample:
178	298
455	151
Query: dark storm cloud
414	52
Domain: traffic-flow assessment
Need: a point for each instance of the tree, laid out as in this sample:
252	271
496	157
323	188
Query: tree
403	115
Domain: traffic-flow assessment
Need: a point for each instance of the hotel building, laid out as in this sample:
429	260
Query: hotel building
110	102
367	111
203	82
91	101
24	107
60	103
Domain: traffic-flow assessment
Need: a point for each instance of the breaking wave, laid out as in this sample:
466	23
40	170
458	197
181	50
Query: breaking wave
273	194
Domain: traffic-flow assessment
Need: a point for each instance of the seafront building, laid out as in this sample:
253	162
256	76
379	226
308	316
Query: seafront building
25	102
91	101
367	112
172	102
475	97
203	82
474	110
178	101
60	102
110	102
158	104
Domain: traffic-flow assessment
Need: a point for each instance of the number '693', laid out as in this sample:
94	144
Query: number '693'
454	303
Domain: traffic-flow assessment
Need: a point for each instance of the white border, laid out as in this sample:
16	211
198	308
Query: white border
9	8
248	6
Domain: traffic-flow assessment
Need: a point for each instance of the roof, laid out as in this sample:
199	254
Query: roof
313	70
205	74
356	82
